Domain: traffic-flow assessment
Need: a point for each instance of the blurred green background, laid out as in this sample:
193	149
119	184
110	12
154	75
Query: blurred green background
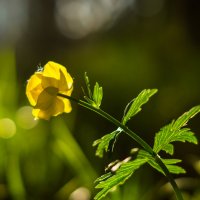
125	45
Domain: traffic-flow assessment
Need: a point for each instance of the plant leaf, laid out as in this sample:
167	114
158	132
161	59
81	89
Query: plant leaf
97	95
169	148
174	132
94	98
121	175
183	119
135	104
104	177
170	163
87	82
175	169
104	142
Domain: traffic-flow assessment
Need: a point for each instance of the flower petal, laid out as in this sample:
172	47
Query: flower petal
47	98
34	88
56	71
41	114
67	103
52	69
49	82
43	87
55	109
58	107
67	92
66	81
67	106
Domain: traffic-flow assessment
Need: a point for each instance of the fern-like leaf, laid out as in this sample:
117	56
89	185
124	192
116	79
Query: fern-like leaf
87	82
119	177
175	132
94	98
170	163
97	95
104	142
135	104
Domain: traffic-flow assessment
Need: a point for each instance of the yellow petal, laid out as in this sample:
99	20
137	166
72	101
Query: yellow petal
67	103
56	108
34	88
58	72
46	98
65	82
65	77
43	87
67	92
52	69
40	114
49	82
67	106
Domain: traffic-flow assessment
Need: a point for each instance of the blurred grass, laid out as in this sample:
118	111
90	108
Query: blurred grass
37	159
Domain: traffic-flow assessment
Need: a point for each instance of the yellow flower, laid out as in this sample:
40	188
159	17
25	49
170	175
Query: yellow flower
42	89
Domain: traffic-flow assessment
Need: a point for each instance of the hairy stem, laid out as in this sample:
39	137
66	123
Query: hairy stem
132	135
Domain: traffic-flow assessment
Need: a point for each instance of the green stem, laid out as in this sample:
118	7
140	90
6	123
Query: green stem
118	124
132	135
170	178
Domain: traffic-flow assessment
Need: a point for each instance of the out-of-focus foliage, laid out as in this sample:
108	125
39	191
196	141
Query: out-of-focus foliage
37	159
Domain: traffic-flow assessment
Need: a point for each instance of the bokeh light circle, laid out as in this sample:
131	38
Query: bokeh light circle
7	128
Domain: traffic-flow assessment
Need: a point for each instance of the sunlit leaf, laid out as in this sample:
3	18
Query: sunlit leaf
118	178
104	142
87	82
135	105
170	163
169	148
94	98
104	177
183	119
97	95
174	132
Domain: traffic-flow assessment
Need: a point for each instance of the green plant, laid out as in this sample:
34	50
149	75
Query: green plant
175	131
120	171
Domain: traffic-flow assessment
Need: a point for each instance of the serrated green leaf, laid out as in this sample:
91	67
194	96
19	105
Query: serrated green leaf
186	135
104	177
169	148
100	97
121	175
175	169
168	135
170	163
104	142
87	82
172	168
94	98
183	119
97	95
174	132
135	104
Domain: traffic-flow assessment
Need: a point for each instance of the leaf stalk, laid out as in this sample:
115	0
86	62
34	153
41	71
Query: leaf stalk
134	136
